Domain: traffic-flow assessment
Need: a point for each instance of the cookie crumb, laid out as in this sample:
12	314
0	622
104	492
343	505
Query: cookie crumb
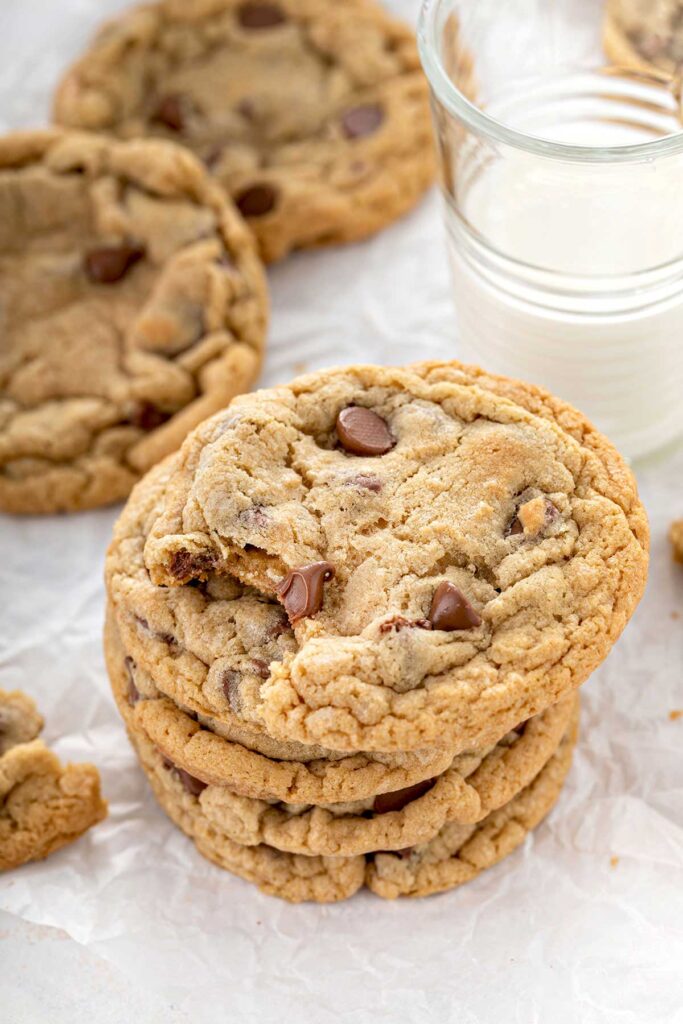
675	714
675	616
613	861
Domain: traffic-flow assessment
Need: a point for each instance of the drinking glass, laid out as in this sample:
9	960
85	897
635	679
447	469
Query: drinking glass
563	183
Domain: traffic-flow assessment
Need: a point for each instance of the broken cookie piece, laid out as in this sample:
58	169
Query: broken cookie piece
43	805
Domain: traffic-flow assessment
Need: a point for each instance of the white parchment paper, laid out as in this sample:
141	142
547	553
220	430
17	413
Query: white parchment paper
584	923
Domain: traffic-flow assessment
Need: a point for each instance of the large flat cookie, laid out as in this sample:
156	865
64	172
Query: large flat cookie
265	802
454	552
457	855
133	306
314	116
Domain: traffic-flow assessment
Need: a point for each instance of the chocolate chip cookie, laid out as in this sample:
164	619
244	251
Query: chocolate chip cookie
314	116
645	35
457	855
260	809
43	805
190	741
454	553
134	305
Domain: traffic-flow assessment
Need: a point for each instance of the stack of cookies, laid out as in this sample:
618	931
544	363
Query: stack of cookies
348	619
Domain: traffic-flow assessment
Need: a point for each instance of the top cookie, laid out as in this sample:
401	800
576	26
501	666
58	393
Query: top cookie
312	113
133	306
644	34
454	551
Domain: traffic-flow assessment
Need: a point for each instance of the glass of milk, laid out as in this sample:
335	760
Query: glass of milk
563	182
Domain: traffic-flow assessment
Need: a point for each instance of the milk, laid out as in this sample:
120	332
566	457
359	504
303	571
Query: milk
569	274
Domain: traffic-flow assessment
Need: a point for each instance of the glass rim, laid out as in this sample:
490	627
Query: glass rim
457	104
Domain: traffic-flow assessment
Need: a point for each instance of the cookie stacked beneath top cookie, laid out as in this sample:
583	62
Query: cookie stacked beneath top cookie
348	618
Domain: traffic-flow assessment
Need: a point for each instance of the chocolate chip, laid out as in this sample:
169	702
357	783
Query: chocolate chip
171	112
301	591
515	528
246	109
255	517
214	156
362	432
190	784
400	798
133	692
360	121
148	416
280	626
399	622
261	668
256	15
451	610
110	263
230	684
366	482
185	565
257	200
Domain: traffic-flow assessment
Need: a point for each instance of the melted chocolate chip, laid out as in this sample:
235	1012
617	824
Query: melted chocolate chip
515	528
246	109
185	565
362	432
258	14
358	122
301	591
261	668
148	417
255	517
190	784
400	798
399	622
133	692
230	684
257	200
110	263
451	610
171	112
366	482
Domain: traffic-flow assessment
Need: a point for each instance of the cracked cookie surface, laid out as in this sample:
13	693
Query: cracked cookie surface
484	564
314	116
43	804
133	306
455	856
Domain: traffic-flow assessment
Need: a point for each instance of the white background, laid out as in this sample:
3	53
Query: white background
130	924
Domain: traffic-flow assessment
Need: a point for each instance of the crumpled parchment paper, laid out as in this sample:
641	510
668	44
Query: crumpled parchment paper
584	923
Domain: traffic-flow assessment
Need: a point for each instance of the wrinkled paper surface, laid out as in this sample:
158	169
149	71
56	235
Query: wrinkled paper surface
584	923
